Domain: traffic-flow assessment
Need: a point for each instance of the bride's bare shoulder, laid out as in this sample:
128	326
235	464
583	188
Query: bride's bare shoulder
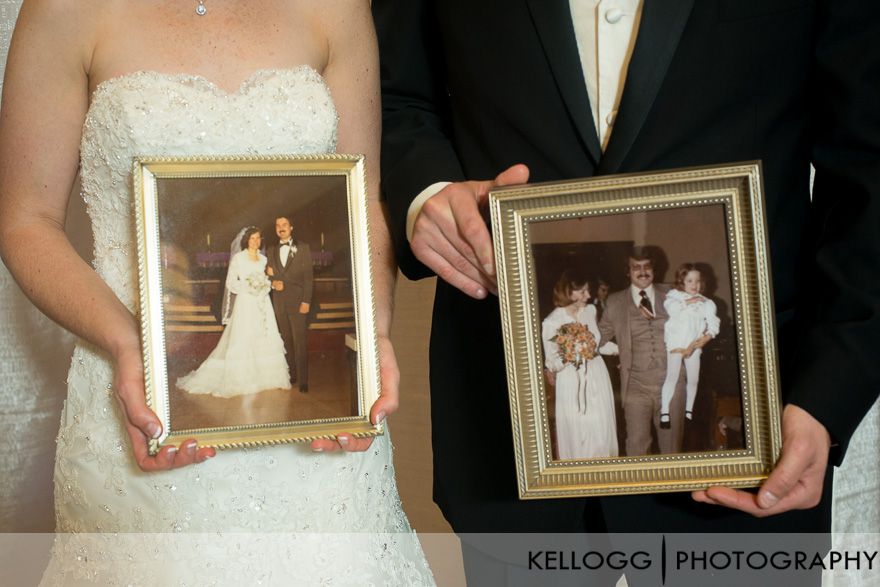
339	17
72	25
68	16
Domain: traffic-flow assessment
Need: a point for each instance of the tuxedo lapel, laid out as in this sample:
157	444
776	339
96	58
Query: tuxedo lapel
552	19
661	27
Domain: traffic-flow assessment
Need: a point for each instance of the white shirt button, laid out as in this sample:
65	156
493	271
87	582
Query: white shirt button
609	120
613	15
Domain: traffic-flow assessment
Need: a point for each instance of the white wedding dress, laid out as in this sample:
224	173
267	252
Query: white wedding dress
586	427
340	514
249	357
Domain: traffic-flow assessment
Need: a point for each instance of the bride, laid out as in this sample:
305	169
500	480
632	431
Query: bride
584	408
249	357
91	84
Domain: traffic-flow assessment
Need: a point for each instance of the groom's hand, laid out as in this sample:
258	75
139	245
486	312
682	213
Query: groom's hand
389	375
796	481
450	235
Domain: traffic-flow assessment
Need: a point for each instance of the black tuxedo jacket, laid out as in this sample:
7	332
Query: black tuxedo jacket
473	86
297	276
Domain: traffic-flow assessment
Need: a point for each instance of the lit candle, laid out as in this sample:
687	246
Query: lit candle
322	240
209	239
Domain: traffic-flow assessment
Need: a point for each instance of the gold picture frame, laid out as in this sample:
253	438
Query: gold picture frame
196	221
546	233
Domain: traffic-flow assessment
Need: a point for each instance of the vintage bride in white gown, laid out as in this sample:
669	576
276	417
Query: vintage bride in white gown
89	86
586	426
249	357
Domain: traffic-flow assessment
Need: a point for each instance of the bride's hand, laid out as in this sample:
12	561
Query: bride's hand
142	424
389	374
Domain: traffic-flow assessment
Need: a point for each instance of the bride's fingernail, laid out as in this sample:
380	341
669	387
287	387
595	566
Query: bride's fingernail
317	449
343	440
154	430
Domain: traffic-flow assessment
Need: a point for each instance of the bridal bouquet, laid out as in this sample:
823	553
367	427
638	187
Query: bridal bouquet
576	344
258	283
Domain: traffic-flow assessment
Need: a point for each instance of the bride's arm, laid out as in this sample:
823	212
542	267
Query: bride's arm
352	73
233	275
45	99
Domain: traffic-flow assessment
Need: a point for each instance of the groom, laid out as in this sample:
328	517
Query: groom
290	268
635	318
471	87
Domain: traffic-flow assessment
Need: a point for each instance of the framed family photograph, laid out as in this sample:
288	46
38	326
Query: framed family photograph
256	298
639	332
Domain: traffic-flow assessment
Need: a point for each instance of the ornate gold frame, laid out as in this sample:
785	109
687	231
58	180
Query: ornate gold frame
739	188
148	172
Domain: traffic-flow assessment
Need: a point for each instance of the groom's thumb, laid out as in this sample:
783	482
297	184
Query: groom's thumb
513	175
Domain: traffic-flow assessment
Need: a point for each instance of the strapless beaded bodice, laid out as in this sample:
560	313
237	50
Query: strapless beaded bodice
274	111
281	489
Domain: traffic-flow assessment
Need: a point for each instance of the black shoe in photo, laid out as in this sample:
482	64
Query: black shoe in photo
664	422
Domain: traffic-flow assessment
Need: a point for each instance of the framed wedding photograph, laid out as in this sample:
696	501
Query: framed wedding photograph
256	298
639	332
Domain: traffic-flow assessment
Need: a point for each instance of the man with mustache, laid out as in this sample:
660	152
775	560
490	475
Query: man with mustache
472	88
290	268
634	318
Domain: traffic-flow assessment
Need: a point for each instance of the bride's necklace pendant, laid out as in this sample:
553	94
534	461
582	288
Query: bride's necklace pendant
200	9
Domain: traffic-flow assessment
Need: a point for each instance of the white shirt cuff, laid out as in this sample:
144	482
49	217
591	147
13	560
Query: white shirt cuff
416	206
610	349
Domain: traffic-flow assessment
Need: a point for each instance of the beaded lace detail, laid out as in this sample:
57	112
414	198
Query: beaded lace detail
289	489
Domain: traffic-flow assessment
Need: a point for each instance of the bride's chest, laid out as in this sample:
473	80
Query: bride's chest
285	111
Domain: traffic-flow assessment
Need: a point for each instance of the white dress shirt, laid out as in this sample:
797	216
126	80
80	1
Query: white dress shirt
636	294
605	31
284	252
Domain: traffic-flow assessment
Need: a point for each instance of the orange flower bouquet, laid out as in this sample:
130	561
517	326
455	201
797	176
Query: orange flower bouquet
575	343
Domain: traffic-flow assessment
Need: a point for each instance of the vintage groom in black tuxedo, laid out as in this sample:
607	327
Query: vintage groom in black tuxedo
292	276
471	87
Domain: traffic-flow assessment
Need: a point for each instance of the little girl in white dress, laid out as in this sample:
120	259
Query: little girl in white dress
692	323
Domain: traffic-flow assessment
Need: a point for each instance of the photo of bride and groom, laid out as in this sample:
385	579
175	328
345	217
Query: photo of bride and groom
251	355
623	371
243	326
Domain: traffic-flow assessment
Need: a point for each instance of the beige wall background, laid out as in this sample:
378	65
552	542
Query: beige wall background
686	235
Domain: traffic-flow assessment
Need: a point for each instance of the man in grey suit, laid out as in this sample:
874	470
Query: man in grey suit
634	318
290	268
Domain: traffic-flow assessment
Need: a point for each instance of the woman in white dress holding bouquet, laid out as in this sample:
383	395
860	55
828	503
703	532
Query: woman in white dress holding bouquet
249	357
91	85
585	419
